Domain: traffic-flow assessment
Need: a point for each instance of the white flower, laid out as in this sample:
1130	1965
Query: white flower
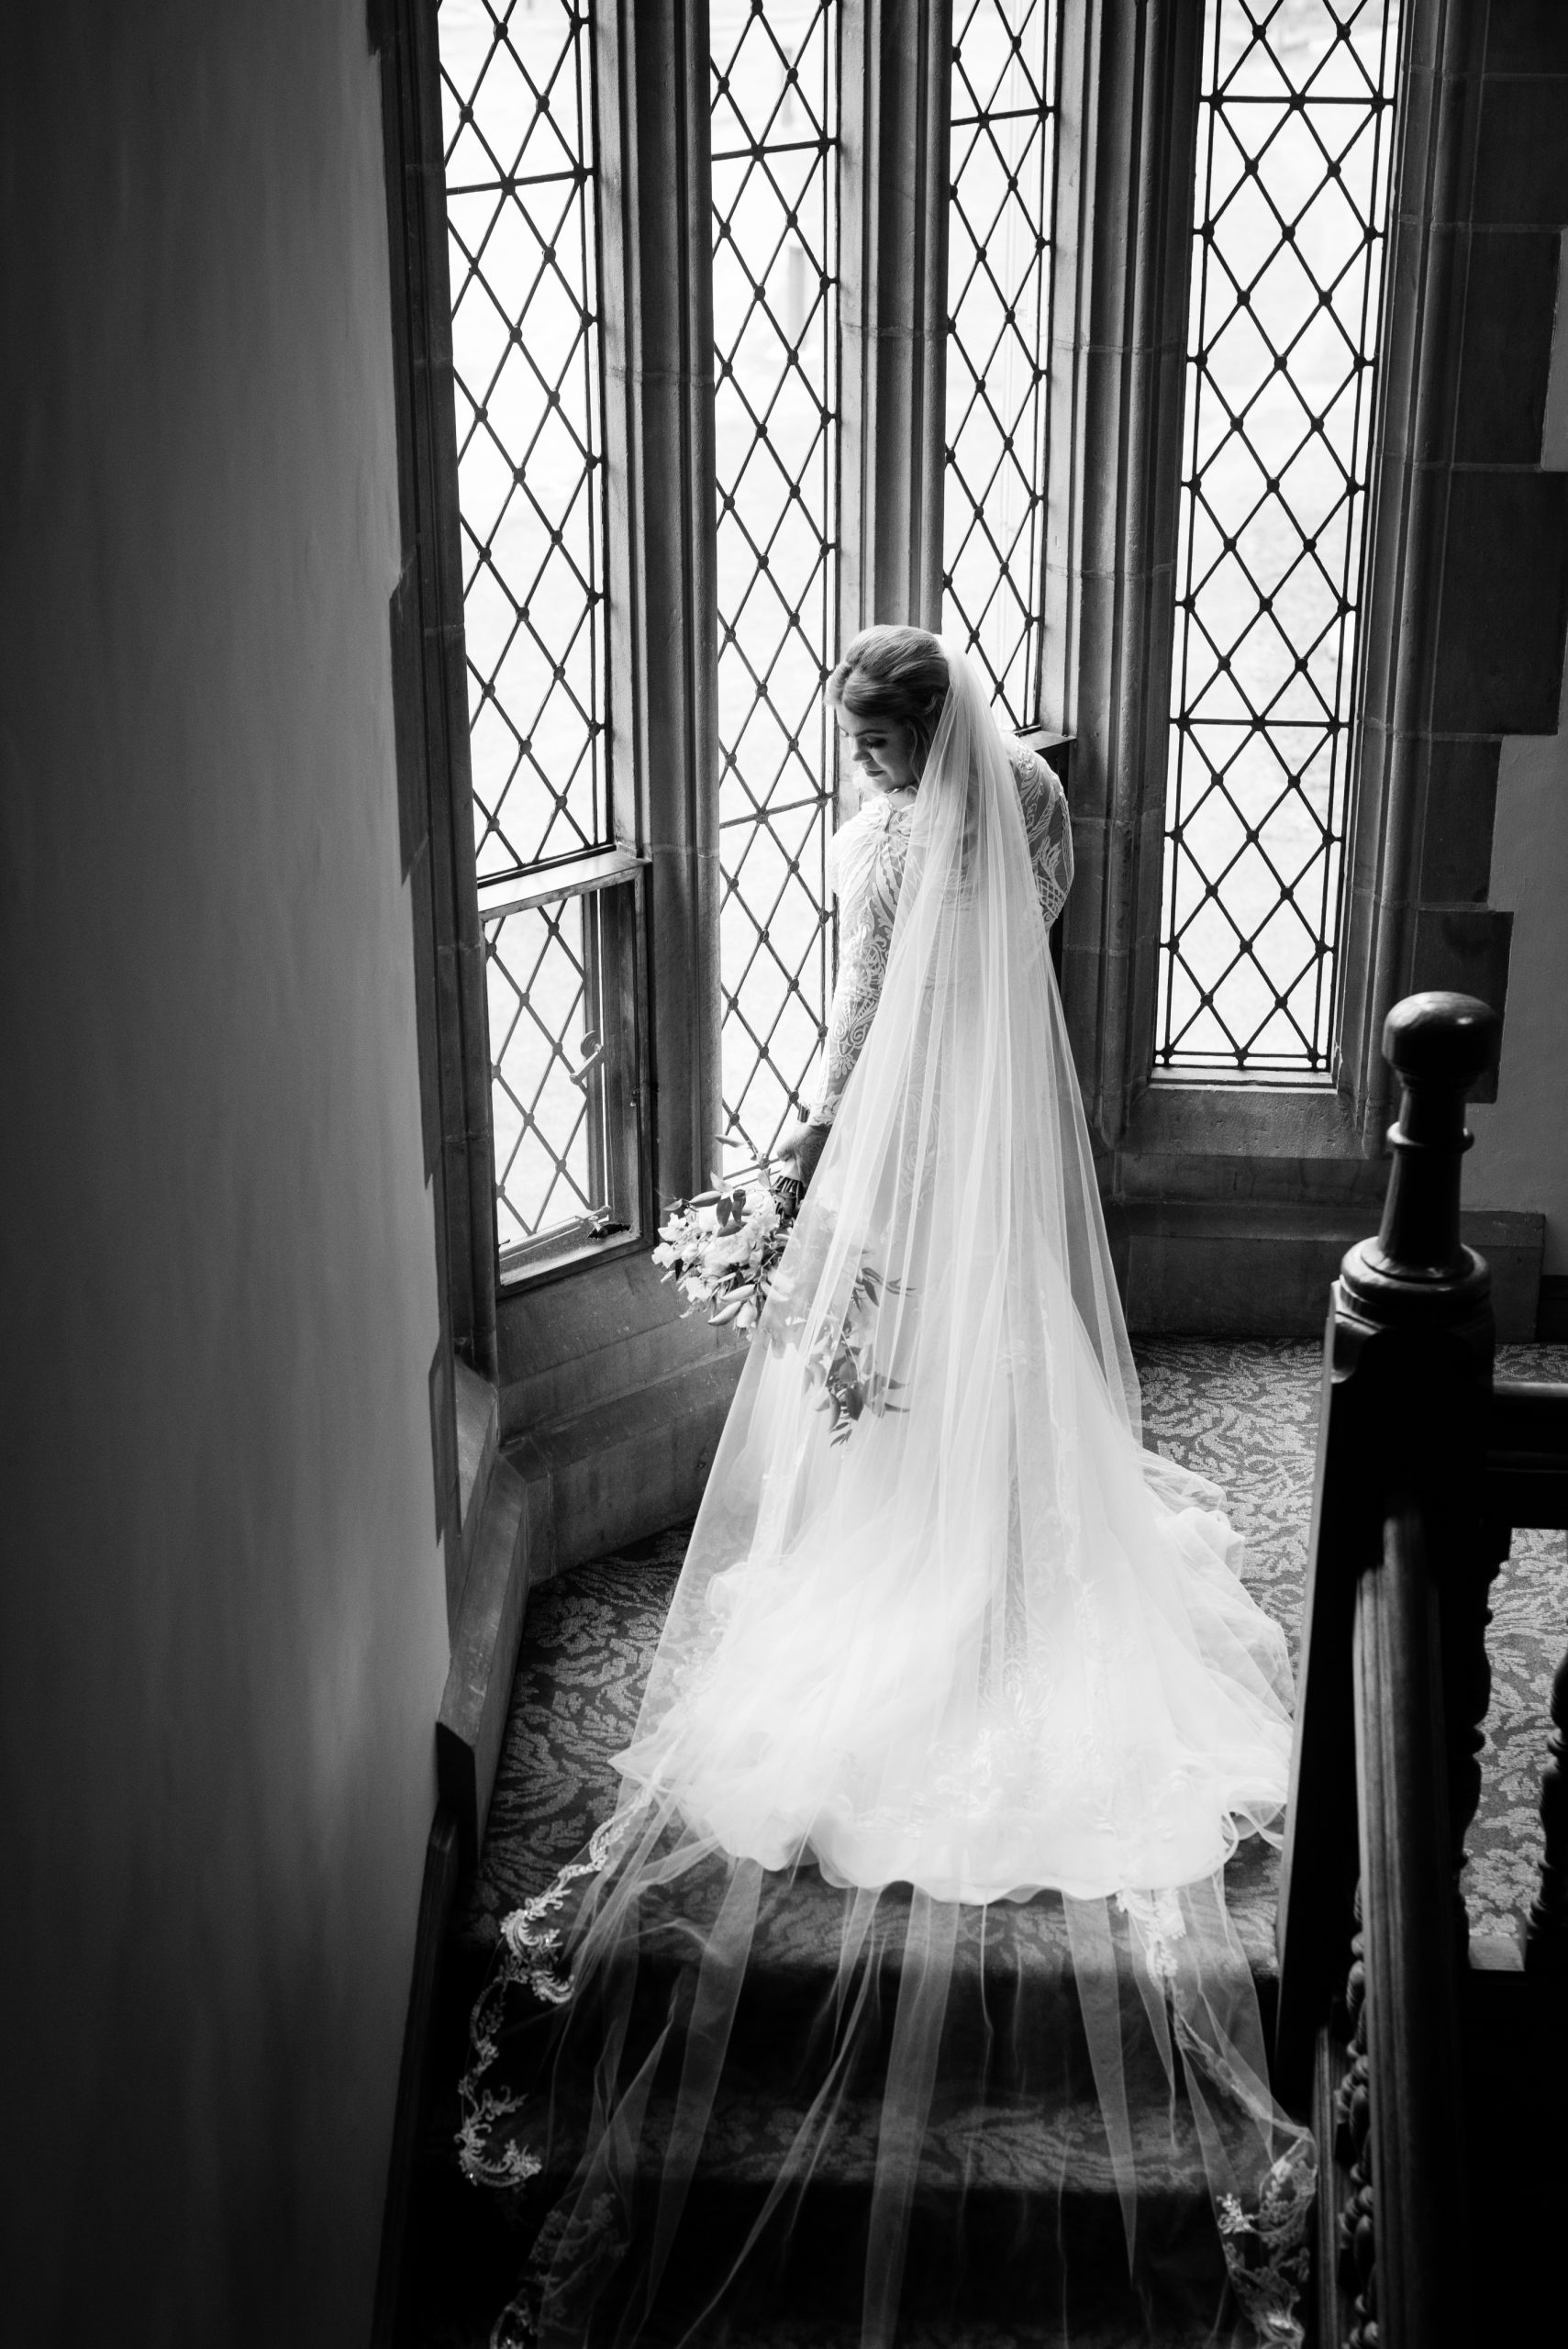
728	1250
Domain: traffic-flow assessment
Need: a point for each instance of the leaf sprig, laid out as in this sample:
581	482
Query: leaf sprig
724	1248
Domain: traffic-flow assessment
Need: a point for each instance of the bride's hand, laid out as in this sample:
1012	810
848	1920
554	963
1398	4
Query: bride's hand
800	1150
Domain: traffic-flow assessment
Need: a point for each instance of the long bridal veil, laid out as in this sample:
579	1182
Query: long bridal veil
959	1711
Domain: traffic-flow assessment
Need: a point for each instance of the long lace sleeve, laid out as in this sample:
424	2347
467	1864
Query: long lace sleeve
867	869
1046	822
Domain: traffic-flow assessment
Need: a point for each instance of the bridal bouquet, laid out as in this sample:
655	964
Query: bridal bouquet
724	1248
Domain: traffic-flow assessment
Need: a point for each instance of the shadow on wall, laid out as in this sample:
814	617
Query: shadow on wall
1521	1150
223	1631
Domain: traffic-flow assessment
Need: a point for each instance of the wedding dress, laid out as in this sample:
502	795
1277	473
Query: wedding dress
946	1639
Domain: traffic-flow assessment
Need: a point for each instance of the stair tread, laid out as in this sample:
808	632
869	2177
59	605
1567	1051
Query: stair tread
579	1683
799	1916
983	2149
786	2331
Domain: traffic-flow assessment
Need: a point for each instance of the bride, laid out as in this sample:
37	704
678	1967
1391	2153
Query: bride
959	1711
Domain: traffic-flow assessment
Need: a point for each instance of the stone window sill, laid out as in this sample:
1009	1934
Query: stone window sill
1241	1121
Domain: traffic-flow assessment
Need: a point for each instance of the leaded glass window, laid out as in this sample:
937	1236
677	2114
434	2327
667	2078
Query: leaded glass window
521	184
1294	159
998	304
776	273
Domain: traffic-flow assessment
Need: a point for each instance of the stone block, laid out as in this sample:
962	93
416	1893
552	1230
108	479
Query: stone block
1249	1270
1521	164
634	1464
1526	37
1466	947
569	1345
1505	604
485	1640
1461	796
1510	303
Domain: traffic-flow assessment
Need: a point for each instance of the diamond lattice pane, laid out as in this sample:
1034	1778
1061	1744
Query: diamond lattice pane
521	194
1293	168
998	315
776	329
538	980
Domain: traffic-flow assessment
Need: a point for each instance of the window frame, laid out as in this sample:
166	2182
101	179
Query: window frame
1127	106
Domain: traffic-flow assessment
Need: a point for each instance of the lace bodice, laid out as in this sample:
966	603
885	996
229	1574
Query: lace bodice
865	871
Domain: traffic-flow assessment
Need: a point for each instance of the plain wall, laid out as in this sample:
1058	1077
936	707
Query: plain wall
1520	1158
223	1634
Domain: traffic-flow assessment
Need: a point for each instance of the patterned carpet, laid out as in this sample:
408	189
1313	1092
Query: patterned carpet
1242	1412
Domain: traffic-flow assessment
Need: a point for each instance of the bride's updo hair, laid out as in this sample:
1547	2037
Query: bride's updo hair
895	676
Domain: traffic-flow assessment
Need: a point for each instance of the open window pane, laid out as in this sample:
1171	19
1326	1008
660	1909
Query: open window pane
1294	160
522	194
775	324
561	979
999	238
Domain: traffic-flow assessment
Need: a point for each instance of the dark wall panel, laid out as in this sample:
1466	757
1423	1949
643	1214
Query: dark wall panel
222	1619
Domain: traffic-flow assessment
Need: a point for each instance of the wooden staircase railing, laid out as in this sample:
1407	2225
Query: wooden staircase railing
1425	1464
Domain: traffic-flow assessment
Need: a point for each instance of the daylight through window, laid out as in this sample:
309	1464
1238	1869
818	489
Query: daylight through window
775	271
521	197
1293	158
998	304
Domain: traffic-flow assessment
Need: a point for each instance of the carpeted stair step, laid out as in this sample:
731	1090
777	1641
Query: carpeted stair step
1013	1990
1013	1998
1008	2207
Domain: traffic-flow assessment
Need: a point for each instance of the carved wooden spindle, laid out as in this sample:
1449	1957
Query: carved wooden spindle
1546	1934
1407	1380
1437	1045
1353	2115
1420	1683
1418	1277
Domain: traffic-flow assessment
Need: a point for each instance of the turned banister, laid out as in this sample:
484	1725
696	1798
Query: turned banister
1411	1960
1393	1689
1407	1375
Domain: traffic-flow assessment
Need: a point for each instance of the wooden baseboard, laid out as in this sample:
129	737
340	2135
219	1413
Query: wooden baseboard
1551	1314
436	1893
1250	1269
512	1548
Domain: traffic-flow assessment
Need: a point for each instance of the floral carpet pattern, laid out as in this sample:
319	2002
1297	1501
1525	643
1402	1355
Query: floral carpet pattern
1242	1412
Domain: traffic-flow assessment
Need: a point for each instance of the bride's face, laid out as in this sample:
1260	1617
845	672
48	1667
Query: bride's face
882	754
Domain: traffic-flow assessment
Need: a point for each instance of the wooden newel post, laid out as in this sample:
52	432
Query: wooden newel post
1418	1282
1407	1355
1437	1045
1394	1683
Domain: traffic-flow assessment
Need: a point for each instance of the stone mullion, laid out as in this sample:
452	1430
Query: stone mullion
1129	84
1467	577
897	68
430	689
655	119
1424	275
